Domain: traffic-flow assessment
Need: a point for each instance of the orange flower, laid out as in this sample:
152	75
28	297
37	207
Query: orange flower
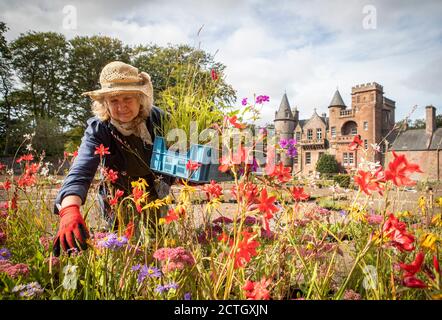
213	189
192	165
118	194
368	182
233	121
399	170
245	251
299	194
396	231
266	205
101	150
282	173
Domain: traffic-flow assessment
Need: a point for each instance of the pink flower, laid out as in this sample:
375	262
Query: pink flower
14	270
244	102
174	258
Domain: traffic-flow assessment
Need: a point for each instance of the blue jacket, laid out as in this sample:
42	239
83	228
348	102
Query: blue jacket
83	170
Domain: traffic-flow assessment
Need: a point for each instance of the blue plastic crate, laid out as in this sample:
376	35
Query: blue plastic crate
174	163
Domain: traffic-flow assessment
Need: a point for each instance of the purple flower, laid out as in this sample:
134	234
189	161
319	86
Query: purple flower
244	101
283	143
166	287
150	272
30	290
254	165
187	296
4	254
262	99
342	213
292	152
112	241
292	142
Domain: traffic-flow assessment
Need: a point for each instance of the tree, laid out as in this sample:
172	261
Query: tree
327	164
39	59
173	65
6	86
87	57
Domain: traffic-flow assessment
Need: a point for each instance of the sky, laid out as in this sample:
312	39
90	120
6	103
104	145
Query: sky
306	49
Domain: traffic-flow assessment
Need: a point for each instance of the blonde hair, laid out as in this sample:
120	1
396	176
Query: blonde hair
100	109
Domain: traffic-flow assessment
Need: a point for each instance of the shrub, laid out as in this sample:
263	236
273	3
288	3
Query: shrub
327	164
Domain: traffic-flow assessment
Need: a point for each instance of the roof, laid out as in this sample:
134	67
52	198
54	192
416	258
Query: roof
417	139
284	111
337	100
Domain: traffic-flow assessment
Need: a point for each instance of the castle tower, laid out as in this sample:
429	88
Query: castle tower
375	114
285	125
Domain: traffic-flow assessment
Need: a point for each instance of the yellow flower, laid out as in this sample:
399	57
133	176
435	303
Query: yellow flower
438	201
422	203
154	204
169	242
213	204
437	220
141	184
428	241
404	214
357	213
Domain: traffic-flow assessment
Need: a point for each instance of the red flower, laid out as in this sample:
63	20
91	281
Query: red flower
413	282
248	191
245	251
6	185
299	194
399	170
368	182
282	173
27	157
414	267
213	189
396	231
110	175
225	163
118	194
266	205
357	142
257	290
2	166
233	122
436	264
192	165
101	150
130	229
174	214
137	193
214	75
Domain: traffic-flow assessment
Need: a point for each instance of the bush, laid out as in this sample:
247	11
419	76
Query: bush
327	165
343	180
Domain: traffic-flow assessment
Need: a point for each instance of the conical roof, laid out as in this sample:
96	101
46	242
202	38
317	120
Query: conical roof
337	100
284	111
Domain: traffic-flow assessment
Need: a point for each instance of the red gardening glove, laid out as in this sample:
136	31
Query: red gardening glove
73	232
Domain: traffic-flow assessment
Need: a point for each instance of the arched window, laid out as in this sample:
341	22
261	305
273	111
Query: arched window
349	128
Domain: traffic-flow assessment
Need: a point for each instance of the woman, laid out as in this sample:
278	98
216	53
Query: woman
125	122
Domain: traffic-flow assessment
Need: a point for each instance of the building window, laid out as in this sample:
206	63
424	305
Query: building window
308	158
350	158
345	158
309	134
298	136
366	125
333	132
365	144
354	131
295	160
319	133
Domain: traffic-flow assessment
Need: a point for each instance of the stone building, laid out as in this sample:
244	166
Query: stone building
371	115
421	146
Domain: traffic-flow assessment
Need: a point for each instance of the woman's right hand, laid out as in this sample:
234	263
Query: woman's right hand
73	232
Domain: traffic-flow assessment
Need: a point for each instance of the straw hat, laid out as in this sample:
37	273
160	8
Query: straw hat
118	77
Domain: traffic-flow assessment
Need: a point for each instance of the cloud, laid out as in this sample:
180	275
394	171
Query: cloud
304	48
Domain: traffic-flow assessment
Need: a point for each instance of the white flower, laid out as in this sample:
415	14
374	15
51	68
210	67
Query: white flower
70	277
27	136
44	171
368	165
29	147
10	172
376	147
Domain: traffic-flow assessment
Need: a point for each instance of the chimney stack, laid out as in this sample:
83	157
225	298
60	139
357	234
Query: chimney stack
430	119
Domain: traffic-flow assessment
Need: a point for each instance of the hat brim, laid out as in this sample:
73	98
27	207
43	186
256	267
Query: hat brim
100	93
